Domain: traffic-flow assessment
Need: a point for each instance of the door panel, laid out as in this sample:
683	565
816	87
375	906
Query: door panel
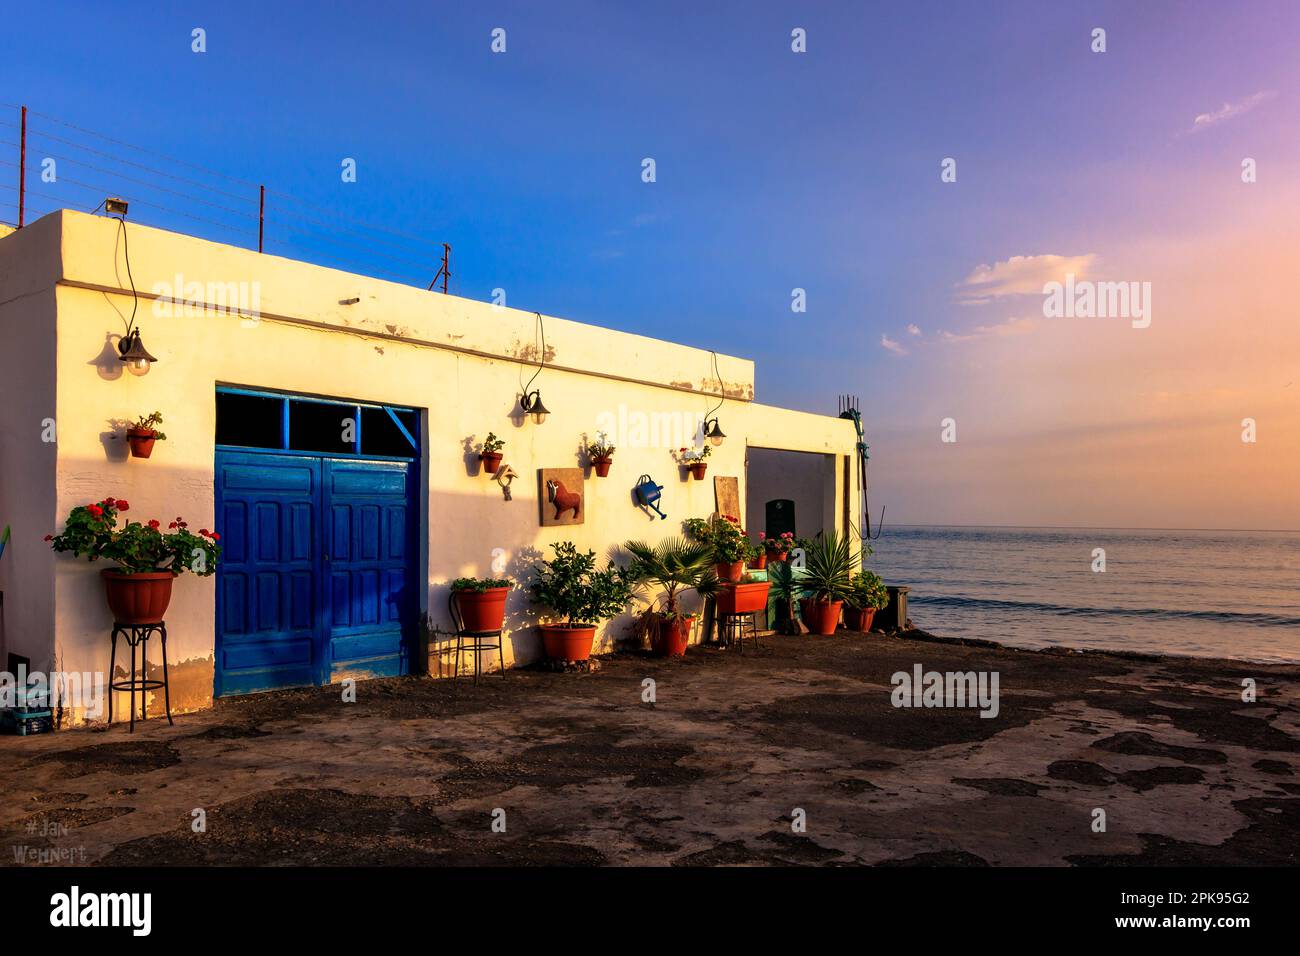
266	618
370	565
317	578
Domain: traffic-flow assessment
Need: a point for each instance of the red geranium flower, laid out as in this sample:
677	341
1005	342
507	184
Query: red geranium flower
49	537
204	532
215	536
172	525
153	523
122	506
109	502
95	510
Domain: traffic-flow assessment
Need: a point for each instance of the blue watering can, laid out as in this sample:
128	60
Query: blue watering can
649	493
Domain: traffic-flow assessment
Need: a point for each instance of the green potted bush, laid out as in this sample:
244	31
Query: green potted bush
148	558
481	602
579	593
829	562
671	567
144	433
726	541
600	453
867	595
491	453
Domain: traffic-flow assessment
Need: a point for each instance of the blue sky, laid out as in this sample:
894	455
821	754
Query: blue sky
775	170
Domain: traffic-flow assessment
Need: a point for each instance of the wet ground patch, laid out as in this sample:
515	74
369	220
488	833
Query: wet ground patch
1144	745
126	757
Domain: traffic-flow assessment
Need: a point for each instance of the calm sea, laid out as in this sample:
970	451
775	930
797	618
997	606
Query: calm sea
1204	593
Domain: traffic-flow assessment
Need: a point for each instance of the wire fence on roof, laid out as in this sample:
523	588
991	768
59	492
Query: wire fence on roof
63	170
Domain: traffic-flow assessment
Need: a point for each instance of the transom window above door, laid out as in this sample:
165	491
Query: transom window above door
249	418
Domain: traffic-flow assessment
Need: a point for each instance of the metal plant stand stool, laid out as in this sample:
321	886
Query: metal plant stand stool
734	628
138	635
476	641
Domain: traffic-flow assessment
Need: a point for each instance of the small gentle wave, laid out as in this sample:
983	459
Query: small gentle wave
1257	618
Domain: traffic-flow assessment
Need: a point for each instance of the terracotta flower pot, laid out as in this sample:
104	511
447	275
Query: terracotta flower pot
491	461
602	466
778	557
742	598
759	563
697	469
820	616
732	571
141	441
671	636
137	598
482	610
859	618
568	642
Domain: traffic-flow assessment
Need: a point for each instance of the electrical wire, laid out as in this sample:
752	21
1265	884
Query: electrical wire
541	328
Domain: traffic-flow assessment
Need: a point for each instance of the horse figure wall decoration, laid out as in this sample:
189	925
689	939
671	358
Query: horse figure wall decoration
563	499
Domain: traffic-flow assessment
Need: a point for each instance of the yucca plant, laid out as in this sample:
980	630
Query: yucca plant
830	561
670	567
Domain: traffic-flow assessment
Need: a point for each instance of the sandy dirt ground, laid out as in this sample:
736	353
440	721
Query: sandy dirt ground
735	750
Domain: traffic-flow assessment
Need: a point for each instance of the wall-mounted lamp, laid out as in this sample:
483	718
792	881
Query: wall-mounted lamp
531	401
712	430
532	405
135	356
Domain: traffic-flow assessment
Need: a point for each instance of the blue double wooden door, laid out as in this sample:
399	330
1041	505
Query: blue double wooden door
317	579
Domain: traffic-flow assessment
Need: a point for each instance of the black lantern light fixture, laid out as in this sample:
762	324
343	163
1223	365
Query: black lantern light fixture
131	351
135	356
531	399
712	430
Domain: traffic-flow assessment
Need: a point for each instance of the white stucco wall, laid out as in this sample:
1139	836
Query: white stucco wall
456	358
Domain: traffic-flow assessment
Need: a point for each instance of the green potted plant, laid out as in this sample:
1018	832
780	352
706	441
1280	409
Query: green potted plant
867	595
778	549
727	541
481	602
148	559
579	593
671	567
144	433
827	579
693	460
600	452
491	453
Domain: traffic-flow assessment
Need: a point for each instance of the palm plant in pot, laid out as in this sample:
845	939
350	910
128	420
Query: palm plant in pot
148	558
579	593
827	580
867	595
670	568
481	602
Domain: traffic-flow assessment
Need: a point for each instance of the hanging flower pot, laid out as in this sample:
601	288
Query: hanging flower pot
142	435
490	453
822	617
601	465
697	469
859	618
139	598
141	441
568	642
671	636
